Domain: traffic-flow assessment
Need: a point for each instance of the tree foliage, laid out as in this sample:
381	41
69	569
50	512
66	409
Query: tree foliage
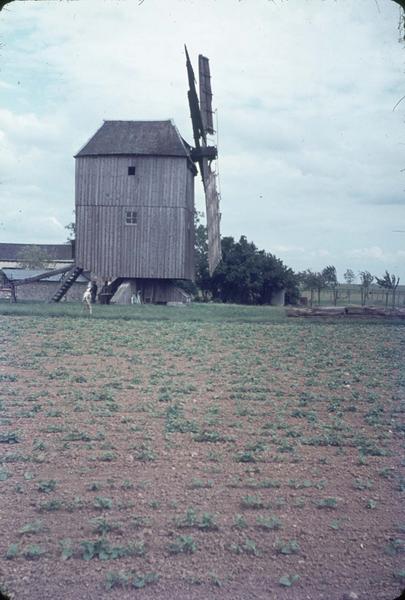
329	276
349	277
313	281
366	279
71	229
202	276
32	257
390	284
245	275
388	281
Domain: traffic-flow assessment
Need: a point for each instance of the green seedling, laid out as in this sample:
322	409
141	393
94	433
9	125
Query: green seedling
327	503
253	502
46	486
67	548
268	523
4	474
33	527
248	547
103	550
10	437
102	503
101	526
139	522
288	580
394	547
33	552
240	522
200	484
183	544
12	551
287	547
362	484
192	519
129	579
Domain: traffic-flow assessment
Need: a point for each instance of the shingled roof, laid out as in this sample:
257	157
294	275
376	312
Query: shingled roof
157	138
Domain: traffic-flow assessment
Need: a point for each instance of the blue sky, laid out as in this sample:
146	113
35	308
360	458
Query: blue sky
311	150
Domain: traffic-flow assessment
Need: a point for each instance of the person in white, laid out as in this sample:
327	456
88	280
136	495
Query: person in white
87	299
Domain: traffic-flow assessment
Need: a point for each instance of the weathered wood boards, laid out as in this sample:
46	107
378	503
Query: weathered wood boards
44	275
346	311
135	202
213	220
201	118
204	77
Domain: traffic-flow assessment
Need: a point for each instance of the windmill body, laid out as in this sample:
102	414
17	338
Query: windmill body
135	200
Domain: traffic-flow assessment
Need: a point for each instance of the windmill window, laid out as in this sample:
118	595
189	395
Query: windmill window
131	170
131	217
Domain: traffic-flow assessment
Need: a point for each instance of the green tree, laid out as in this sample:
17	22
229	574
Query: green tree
237	278
313	282
32	257
330	280
202	276
71	229
366	279
349	277
390	283
247	275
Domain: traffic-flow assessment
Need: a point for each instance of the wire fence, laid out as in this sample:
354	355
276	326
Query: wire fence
353	295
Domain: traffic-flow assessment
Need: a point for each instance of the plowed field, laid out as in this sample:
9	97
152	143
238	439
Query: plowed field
208	453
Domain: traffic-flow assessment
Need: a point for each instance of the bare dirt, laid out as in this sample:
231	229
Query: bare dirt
196	460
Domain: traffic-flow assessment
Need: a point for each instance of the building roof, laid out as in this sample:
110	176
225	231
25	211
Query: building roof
12	252
19	274
157	138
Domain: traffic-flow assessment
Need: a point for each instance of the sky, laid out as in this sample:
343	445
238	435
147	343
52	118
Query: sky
311	142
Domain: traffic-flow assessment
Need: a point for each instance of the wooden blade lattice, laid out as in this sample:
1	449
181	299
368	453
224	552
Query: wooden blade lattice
202	121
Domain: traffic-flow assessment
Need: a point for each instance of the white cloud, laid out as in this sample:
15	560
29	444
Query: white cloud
310	149
285	249
6	86
372	252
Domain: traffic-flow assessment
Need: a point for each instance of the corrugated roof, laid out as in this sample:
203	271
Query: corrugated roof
158	138
19	274
54	251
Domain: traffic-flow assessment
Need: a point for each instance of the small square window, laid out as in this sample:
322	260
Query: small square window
131	170
131	217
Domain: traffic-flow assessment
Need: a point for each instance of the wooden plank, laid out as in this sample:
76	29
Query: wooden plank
162	193
42	276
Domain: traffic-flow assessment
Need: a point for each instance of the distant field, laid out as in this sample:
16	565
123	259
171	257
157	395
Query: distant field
352	295
199	452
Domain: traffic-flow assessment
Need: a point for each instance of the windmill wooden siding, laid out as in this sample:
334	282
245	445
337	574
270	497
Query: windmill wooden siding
161	193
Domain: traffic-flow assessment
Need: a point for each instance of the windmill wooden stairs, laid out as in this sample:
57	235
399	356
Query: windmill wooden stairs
71	277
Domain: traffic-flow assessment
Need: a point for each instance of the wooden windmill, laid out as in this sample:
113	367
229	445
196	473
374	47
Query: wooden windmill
135	200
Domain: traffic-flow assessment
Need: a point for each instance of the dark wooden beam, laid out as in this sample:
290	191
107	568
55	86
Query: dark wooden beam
42	276
209	152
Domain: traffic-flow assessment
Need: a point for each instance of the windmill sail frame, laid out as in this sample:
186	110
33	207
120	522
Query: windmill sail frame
202	121
204	78
213	221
